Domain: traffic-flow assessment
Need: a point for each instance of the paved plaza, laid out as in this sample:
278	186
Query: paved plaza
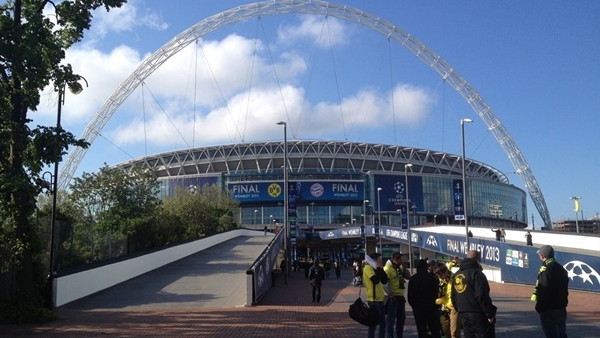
200	296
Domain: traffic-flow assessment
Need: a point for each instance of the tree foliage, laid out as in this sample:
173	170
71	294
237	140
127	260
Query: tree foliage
32	48
117	203
196	213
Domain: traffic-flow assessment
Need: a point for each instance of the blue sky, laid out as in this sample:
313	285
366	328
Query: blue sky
535	63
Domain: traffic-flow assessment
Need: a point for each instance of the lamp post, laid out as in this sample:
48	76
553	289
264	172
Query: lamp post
285	201
379	216
255	212
576	200
312	212
464	180
75	88
434	220
410	251
271	220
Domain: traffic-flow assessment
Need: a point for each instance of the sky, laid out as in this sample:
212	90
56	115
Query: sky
535	63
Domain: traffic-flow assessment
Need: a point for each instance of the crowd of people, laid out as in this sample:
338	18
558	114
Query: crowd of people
444	302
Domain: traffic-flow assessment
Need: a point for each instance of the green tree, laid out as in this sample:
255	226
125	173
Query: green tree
32	48
113	203
196	213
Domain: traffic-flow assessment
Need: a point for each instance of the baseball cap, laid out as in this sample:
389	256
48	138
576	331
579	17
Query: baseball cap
547	251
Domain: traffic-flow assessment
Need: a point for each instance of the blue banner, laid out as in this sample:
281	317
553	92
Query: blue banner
311	191
393	192
403	217
292	214
189	183
307	191
459	208
257	191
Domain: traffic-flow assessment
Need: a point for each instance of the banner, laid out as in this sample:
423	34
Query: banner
459	208
393	192
321	191
403	217
292	214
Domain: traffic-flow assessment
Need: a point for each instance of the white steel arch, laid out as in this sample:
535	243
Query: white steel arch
343	12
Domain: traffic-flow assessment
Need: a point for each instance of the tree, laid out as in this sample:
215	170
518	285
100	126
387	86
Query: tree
195	213
32	48
115	202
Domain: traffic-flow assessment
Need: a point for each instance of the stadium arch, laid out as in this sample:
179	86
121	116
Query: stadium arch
350	14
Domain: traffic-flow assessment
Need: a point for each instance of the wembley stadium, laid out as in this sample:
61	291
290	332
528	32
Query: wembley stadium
344	183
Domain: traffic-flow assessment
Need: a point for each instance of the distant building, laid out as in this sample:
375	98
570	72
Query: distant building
588	226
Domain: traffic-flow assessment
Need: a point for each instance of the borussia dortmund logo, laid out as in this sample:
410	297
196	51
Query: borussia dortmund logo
459	286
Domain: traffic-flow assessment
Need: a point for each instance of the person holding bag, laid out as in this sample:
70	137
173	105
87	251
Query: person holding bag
374	277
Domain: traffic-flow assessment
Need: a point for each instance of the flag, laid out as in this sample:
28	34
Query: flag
576	205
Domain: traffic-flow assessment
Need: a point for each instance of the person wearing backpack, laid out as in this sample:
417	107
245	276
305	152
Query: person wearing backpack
374	277
316	277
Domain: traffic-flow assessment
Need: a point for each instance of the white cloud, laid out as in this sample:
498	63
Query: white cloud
322	31
125	18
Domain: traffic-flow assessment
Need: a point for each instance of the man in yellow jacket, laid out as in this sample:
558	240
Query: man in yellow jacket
450	318
374	278
396	310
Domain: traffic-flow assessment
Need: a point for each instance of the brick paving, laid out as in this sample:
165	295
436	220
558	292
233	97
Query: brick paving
286	311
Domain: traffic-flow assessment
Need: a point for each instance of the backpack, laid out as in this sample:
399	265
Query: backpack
362	313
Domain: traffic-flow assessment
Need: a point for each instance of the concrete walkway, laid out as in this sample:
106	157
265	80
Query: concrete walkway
200	296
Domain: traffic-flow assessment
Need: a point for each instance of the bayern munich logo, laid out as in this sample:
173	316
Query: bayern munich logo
317	190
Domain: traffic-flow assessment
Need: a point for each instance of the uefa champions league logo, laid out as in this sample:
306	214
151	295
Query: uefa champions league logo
399	188
583	271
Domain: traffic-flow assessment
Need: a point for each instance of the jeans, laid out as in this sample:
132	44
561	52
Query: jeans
316	291
381	310
554	323
396	315
427	318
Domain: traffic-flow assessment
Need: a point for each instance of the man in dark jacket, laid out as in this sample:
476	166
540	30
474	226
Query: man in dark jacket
551	294
422	293
316	276
471	297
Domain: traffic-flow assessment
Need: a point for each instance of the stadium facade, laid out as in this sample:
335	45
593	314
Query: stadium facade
344	183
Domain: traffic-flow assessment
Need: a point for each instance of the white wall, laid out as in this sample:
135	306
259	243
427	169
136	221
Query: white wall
85	283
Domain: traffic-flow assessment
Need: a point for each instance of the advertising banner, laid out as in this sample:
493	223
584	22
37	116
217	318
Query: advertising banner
292	215
403	217
459	208
306	191
393	192
313	191
189	183
257	191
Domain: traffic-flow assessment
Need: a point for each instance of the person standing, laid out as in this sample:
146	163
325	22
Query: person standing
471	298
498	233
266	230
422	293
374	277
503	234
397	276
528	238
450	318
316	276
551	294
338	269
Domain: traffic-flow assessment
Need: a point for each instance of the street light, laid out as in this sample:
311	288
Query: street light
576	200
285	201
312	212
271	221
379	216
462	128
255	212
410	259
75	88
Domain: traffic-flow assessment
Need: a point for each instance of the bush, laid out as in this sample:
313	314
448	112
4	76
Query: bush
15	312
